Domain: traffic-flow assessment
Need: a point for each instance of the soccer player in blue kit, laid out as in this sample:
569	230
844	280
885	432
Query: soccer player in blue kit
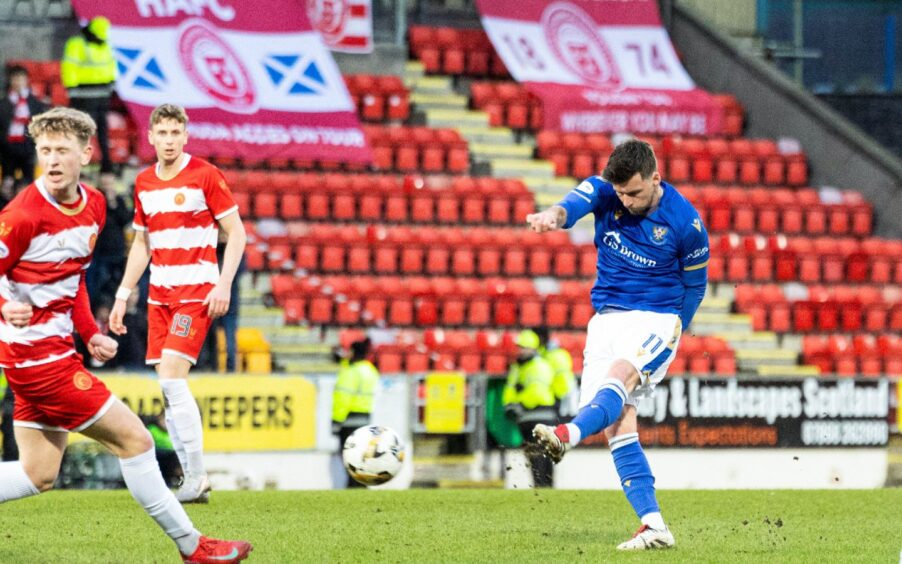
652	276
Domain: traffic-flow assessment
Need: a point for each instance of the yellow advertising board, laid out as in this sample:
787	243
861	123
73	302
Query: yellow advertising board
445	407
239	413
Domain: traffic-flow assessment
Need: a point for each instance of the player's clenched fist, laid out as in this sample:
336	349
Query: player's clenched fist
16	314
548	220
102	348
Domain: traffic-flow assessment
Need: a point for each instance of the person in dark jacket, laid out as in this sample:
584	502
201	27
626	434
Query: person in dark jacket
16	147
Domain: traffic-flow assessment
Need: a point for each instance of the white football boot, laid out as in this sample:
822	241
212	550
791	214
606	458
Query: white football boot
647	538
194	489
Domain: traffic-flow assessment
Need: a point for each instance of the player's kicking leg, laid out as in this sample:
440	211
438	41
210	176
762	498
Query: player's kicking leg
638	483
121	431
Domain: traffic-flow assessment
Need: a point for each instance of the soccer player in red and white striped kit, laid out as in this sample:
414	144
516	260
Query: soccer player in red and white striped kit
47	237
178	203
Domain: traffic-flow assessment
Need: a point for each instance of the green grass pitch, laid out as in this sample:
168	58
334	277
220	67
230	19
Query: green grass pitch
466	526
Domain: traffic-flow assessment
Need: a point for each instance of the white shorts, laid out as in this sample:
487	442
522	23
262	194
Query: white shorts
646	339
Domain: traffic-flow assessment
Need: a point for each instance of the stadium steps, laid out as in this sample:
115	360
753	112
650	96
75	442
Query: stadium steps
712	323
455	118
444	101
487	135
748	360
787	370
261	316
486	152
758	340
413	70
516	168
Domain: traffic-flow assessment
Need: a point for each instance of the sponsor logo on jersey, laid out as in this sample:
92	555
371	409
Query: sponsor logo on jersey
697	253
82	381
613	241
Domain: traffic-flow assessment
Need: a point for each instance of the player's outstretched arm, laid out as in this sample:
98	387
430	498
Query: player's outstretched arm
551	219
138	259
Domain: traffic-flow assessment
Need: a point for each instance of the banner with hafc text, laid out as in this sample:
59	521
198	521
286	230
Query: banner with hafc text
599	66
346	25
256	79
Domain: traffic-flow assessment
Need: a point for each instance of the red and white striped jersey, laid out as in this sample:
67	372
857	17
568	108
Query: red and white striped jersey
44	249
179	216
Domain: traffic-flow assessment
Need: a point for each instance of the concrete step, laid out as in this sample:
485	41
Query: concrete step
763	340
790	371
751	359
260	316
483	152
705	323
413	70
293	335
428	101
456	118
712	304
432	85
507	168
487	135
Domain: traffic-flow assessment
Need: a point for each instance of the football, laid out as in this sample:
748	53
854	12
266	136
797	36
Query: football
373	455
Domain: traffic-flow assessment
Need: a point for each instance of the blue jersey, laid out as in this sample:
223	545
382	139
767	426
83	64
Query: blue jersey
654	263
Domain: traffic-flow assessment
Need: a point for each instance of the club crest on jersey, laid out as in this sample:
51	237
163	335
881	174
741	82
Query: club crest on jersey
82	381
4	229
697	223
179	199
658	233
92	241
618	214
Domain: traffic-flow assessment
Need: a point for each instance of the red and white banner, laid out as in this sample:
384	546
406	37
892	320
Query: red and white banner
599	65
346	25
256	79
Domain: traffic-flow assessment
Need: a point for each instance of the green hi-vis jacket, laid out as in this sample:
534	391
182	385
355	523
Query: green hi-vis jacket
87	69
354	389
529	384
561	363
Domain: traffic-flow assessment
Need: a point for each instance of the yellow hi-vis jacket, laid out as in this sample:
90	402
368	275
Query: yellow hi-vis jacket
354	389
88	69
529	384
561	363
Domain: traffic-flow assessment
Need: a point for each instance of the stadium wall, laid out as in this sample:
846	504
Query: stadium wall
839	153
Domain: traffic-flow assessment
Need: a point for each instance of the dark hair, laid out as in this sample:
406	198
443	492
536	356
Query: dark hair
629	158
360	350
542	334
16	69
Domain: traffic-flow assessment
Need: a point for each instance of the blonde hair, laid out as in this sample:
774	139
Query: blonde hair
168	111
64	121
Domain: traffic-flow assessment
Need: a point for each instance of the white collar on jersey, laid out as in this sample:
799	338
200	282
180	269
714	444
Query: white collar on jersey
47	196
156	167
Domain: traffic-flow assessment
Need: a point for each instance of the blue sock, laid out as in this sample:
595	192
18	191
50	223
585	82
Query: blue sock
635	473
603	410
